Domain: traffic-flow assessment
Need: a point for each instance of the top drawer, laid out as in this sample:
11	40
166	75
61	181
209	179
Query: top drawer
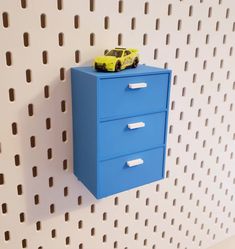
126	96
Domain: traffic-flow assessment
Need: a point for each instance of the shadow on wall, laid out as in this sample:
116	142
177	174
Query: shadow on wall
50	188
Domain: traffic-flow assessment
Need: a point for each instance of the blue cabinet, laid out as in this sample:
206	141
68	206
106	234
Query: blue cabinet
119	127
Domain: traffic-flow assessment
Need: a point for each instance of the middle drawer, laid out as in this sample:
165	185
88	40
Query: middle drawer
129	135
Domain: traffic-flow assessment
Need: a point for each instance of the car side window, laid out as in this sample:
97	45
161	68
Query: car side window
126	53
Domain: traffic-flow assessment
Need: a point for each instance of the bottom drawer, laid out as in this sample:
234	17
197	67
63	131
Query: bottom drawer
130	171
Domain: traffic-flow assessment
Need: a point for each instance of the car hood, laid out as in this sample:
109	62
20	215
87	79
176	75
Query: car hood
105	59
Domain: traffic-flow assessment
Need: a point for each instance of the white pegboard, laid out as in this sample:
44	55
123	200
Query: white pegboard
42	205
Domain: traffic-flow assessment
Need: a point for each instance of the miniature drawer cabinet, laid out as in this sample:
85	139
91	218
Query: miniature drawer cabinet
119	127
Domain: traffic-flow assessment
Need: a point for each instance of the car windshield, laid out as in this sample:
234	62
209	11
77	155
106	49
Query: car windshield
116	53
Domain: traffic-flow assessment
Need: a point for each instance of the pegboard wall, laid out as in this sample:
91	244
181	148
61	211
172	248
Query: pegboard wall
42	205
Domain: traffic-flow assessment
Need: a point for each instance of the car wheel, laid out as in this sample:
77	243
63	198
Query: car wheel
135	63
118	66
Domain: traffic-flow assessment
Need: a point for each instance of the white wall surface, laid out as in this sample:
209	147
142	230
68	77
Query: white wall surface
42	205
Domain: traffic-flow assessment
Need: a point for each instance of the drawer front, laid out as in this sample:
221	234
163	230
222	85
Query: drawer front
132	95
127	172
128	135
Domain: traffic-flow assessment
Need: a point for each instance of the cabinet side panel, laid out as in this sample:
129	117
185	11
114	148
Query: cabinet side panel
166	122
84	101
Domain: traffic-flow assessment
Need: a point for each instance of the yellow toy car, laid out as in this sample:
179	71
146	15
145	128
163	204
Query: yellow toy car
117	59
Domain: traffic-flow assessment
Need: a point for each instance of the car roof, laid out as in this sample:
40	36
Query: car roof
120	48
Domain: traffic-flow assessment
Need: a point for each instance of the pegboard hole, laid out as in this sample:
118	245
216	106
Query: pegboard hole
44	57
80	224
93	208
46	91
106	22
104	216
217	26
22	217
136	215
79	200
24	4
28	75
104	239
59	4
49	154
26	39
136	236
4	208
7	235
14	128
119	39
190	13
93	231
155	54
116	201
76	22
62	74
64	136
17	160
92	39
48	123
65	164
36	199
169	11
11	94
67	240
188	40
61	39
30	110
66	191
19	189
179	25
227	13
77	56
146	8
5	19
35	171
50	181
167	39
52	208
127	208
8	58
157	25
92	5
53	233
43	21
133	23
120	6
145	39
115	223
32	141
38	225
1	179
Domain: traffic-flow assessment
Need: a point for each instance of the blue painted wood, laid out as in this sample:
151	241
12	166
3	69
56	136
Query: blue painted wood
118	139
123	101
103	106
115	175
85	122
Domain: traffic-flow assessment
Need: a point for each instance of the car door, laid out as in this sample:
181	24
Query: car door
127	58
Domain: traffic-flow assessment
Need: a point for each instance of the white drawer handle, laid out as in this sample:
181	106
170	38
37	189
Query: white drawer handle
136	125
137	85
135	162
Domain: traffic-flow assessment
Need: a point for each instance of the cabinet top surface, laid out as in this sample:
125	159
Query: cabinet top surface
140	70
